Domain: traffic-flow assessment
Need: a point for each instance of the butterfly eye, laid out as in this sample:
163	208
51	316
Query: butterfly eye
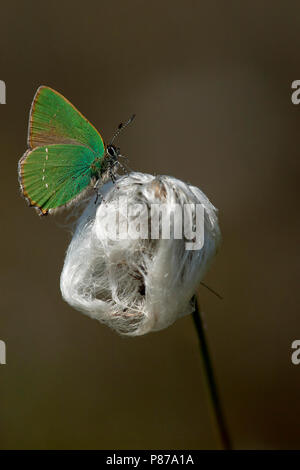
111	150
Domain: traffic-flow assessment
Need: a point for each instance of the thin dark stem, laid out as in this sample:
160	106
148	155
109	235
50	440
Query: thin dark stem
211	382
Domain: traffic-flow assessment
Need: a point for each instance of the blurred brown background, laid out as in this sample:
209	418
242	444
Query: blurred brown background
210	82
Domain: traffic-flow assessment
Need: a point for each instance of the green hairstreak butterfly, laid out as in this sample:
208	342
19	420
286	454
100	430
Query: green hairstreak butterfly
65	156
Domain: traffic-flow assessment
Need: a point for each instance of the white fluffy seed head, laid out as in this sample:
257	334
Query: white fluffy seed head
137	285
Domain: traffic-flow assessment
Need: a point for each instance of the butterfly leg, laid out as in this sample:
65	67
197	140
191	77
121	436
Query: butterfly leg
98	193
112	176
124	168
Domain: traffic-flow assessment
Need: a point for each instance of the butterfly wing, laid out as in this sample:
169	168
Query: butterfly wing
63	145
51	176
54	120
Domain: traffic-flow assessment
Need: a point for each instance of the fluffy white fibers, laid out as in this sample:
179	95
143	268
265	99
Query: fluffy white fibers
138	284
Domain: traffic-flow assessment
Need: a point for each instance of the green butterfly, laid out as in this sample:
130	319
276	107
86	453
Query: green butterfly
66	154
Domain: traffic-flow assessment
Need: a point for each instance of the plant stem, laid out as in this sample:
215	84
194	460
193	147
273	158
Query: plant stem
211	382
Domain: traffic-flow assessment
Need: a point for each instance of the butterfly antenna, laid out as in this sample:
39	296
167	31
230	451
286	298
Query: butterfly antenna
121	126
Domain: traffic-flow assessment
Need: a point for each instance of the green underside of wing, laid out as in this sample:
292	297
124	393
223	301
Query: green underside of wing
53	175
54	120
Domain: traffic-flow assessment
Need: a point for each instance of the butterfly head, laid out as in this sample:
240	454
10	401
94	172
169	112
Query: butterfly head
112	155
113	152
